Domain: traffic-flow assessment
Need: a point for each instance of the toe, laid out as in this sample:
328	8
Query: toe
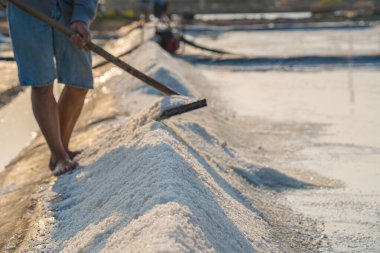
64	167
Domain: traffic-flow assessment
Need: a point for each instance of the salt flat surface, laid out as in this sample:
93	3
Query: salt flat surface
336	106
344	103
343	99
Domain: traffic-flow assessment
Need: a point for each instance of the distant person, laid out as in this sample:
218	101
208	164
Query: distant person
160	8
144	8
101	7
42	55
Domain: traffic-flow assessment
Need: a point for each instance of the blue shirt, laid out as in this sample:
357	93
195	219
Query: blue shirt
72	10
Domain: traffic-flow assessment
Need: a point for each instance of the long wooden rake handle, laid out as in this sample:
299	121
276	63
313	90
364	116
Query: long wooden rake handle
95	48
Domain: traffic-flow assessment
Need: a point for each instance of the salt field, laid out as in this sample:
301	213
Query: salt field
284	159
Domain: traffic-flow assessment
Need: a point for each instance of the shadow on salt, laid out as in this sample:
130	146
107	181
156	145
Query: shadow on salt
263	177
271	179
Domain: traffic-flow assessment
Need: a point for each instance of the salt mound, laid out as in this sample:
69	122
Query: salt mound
148	186
153	61
148	192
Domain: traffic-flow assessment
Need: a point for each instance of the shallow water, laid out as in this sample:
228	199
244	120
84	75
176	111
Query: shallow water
17	127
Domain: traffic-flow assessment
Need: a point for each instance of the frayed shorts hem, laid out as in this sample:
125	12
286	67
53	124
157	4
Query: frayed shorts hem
51	81
88	86
37	84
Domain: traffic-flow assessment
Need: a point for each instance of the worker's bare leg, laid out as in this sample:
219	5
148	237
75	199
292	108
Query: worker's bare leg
70	105
45	110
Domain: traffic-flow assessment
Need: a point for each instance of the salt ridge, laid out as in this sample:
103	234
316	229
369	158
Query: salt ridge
148	186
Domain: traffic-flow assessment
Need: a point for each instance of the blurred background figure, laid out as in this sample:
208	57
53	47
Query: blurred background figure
101	7
144	9
160	8
165	36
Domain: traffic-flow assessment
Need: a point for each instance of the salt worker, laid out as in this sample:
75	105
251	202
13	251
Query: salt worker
43	55
160	8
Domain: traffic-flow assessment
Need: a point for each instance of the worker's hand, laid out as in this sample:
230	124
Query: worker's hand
82	35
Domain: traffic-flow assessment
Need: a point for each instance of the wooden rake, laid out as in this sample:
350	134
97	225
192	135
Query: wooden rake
116	61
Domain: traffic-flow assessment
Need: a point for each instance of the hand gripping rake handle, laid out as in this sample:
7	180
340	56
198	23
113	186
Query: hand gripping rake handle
96	49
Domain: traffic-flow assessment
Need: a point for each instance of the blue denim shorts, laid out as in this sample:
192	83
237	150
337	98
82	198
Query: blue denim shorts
43	54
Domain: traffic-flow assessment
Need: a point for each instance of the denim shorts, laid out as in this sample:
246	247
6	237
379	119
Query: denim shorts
43	54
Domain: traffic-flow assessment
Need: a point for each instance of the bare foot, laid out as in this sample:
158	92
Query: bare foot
63	166
72	155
